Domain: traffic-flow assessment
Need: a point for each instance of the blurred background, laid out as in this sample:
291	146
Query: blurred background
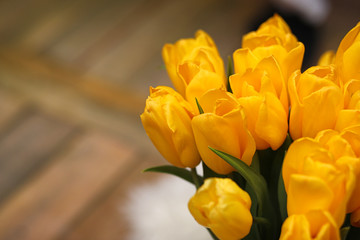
74	76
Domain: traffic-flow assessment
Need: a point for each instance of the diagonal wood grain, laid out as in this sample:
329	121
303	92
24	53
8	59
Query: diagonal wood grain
107	220
27	146
47	205
10	106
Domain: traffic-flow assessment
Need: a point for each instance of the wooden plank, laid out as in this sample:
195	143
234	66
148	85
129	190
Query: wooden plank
82	40
10	106
66	95
138	40
128	22
107	220
46	206
26	67
20	17
26	147
55	25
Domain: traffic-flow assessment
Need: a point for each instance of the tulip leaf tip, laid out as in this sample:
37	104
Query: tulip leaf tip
201	111
175	171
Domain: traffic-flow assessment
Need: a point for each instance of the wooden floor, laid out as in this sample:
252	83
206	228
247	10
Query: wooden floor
74	76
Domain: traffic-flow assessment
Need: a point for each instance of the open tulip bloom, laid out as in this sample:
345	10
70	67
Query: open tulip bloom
279	148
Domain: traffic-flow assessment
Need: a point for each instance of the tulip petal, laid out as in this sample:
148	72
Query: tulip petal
271	124
308	193
217	132
297	108
352	61
201	83
295	156
327	58
238	221
295	227
251	106
347	118
244	59
293	60
323	105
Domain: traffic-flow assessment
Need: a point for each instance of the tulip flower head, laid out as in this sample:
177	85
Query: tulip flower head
167	122
221	205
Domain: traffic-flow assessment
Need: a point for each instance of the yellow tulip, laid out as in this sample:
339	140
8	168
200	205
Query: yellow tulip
194	66
221	205
345	147
167	122
315	180
274	38
347	58
222	126
316	101
350	115
327	58
261	91
315	225
352	94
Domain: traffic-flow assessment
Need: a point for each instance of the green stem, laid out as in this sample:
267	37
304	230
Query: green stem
195	178
263	222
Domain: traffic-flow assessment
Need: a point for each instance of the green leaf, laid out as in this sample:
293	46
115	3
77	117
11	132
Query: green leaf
230	71
176	171
353	234
255	164
282	198
344	232
259	186
255	230
201	111
208	173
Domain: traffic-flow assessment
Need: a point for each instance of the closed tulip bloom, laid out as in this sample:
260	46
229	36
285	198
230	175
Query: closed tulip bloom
345	147
222	126
315	225
167	121
202	72
350	115
315	180
194	66
274	38
221	205
261	91
327	58
352	94
316	101
347	58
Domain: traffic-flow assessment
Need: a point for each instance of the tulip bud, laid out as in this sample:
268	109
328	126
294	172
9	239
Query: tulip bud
315	180
344	146
167	121
314	95
221	205
194	66
222	126
274	38
347	58
261	91
327	58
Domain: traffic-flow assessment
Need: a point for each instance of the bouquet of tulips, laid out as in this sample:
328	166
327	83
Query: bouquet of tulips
279	148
